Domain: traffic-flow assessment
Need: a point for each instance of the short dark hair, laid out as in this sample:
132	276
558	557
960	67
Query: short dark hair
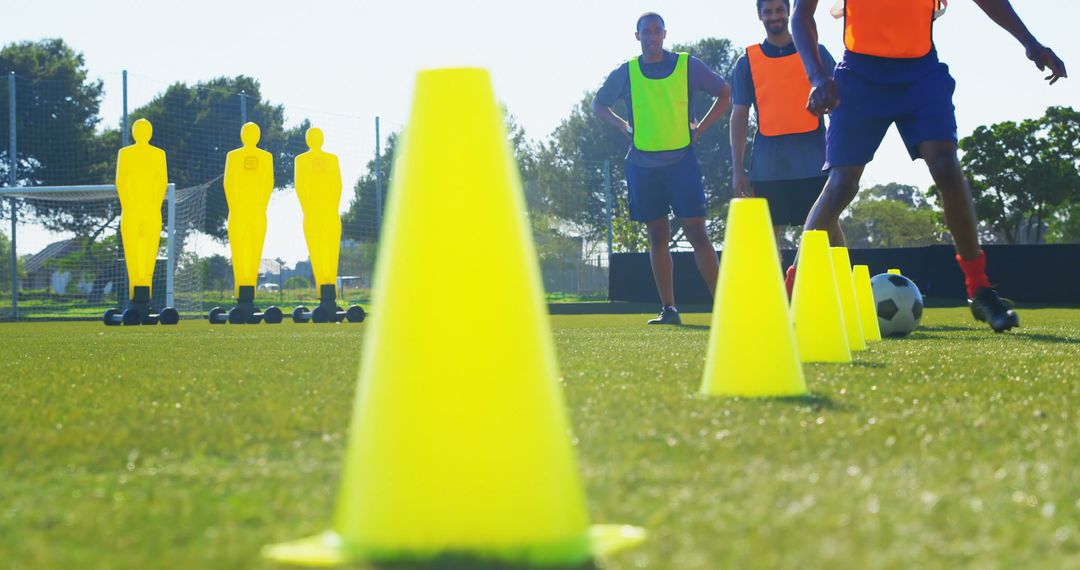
648	15
760	3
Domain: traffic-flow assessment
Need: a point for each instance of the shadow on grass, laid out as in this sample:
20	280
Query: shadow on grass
868	364
815	401
1050	338
453	562
1034	337
695	327
942	328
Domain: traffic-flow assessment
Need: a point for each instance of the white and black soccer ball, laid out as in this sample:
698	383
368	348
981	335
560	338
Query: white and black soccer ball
898	304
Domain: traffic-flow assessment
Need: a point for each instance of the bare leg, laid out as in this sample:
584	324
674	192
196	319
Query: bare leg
940	157
660	258
704	252
839	191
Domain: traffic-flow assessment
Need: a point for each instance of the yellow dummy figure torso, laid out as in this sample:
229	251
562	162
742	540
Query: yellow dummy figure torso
141	182
249	181
318	186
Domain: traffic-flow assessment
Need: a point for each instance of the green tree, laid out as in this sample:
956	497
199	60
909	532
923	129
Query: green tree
1023	174
215	273
56	116
197	125
1065	227
360	221
297	282
58	143
5	264
880	219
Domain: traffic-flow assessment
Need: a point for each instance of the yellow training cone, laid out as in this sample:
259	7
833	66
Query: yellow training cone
459	443
815	304
752	349
864	296
845	285
894	271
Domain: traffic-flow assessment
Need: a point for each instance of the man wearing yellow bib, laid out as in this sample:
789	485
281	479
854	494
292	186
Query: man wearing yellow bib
662	172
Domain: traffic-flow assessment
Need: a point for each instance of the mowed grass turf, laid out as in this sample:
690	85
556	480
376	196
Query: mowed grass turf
193	446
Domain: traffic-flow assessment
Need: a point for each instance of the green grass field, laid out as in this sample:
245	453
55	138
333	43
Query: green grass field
192	446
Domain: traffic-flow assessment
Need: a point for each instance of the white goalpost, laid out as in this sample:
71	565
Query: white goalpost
80	272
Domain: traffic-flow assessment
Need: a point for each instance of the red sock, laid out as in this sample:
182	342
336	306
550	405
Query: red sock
974	273
789	280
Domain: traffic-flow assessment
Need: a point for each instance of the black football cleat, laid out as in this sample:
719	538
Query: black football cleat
987	307
667	316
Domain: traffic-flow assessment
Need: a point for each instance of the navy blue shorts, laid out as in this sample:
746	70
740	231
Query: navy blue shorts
922	110
790	200
678	188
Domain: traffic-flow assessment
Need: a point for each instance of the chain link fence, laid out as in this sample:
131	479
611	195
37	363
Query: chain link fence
60	253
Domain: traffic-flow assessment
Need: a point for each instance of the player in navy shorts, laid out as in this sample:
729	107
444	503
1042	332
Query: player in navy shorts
890	74
662	172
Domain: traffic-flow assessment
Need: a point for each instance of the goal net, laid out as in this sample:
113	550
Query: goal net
74	266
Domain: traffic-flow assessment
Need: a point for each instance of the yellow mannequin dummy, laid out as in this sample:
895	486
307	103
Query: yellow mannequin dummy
141	181
318	185
249	180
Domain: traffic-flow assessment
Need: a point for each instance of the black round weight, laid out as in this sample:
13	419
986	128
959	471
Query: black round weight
216	316
300	315
272	315
236	316
355	314
169	316
132	317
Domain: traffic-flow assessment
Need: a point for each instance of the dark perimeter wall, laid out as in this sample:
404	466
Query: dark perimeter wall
1024	273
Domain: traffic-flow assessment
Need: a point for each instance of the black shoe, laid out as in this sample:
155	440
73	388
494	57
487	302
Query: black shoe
667	316
989	308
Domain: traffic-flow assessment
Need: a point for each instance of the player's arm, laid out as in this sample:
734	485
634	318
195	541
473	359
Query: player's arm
1002	13
609	117
824	95
739	127
601	105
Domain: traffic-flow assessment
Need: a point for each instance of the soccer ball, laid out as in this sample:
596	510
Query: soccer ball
898	304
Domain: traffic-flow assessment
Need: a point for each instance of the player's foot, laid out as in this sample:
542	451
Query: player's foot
986	306
668	316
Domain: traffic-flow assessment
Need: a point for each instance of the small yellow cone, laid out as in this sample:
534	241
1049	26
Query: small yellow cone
864	296
845	285
815	304
459	443
752	348
894	271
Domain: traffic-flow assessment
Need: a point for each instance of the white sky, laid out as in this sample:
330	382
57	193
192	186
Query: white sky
341	63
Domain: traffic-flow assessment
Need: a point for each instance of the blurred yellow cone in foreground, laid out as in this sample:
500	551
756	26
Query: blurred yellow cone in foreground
864	295
845	285
459	444
752	349
815	304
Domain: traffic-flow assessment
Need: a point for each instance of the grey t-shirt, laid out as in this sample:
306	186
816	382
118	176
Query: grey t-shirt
617	87
784	157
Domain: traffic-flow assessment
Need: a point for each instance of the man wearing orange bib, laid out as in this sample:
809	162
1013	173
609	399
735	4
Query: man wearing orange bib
890	73
789	147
